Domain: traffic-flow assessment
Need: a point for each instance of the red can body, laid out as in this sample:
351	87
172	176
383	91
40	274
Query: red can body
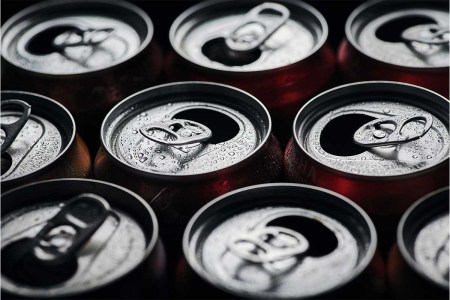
195	280
175	195
384	198
282	89
408	276
359	61
91	92
73	159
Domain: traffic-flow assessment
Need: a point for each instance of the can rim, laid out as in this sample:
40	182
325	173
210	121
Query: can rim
186	177
70	141
205	4
53	3
360	268
363	176
401	242
350	37
149	249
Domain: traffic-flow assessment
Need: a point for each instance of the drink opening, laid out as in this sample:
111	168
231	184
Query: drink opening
321	239
337	136
223	127
392	31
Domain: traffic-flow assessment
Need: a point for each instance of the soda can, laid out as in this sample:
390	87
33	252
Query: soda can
406	41
418	265
276	51
79	238
381	144
280	241
183	144
88	55
39	141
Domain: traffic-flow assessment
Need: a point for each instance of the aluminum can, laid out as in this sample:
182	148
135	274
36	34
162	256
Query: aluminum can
88	55
39	141
79	238
183	144
276	51
280	241
381	144
406	41
418	265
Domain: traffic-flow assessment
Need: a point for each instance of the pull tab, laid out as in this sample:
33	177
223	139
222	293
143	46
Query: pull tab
373	134
69	229
12	130
82	37
244	43
268	245
177	132
431	34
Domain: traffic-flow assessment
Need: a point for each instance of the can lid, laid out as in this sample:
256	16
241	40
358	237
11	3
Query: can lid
68	237
75	37
279	241
375	129
248	36
412	34
424	239
35	132
187	128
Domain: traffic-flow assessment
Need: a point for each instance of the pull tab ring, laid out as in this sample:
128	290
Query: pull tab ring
236	43
12	130
431	34
372	135
80	36
177	132
69	229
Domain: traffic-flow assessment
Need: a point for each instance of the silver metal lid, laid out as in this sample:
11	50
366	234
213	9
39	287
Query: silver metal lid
279	241
424	237
60	243
246	36
375	129
35	132
413	34
185	129
73	37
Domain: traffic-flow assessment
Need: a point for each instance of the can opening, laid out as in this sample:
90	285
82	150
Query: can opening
321	239
6	163
392	31
337	135
26	269
43	42
218	51
223	127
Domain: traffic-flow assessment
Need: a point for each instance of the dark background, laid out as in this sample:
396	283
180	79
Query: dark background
164	12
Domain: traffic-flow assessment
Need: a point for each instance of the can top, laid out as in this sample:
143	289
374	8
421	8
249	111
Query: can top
75	37
35	132
248	36
72	236
411	34
375	129
279	241
423	237
185	129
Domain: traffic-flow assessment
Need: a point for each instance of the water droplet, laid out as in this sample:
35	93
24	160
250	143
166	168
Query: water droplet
162	157
415	156
135	131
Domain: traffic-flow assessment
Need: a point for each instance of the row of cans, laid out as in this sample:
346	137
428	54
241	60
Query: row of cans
91	239
180	145
89	55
